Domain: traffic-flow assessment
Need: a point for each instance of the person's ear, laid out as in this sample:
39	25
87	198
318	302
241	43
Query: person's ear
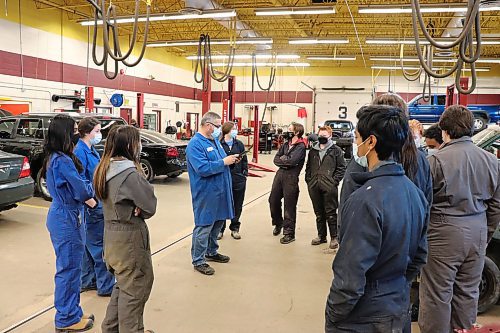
372	141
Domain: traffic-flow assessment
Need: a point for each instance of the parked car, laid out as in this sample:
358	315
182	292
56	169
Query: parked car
24	135
343	135
16	185
430	111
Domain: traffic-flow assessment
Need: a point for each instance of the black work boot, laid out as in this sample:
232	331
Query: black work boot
220	258
205	269
287	239
318	240
277	230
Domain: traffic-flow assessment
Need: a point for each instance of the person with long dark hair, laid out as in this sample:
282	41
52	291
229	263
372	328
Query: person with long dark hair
128	200
69	191
95	275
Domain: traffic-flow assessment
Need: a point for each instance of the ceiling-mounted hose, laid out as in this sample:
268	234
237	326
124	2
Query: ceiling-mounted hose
465	40
255	74
408	76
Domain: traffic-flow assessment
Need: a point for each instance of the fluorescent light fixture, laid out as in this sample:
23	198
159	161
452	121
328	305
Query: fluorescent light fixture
331	58
226	13
251	41
406	9
484	41
439	60
314	41
434	69
294	11
249	56
264	64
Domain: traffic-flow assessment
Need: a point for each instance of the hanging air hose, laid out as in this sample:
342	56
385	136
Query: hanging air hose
115	53
408	76
255	74
464	40
204	62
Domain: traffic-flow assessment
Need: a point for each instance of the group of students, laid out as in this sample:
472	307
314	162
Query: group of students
94	201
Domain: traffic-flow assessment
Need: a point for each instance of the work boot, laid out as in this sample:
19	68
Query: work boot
318	241
235	235
88	316
82	326
287	239
89	288
334	244
205	269
220	258
220	235
277	230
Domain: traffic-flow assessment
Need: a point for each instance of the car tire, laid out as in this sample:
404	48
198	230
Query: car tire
480	123
41	186
489	289
147	169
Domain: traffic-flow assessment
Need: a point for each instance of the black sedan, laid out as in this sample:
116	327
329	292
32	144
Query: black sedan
16	184
162	155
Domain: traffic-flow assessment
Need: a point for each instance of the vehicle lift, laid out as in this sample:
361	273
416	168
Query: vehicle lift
228	113
459	98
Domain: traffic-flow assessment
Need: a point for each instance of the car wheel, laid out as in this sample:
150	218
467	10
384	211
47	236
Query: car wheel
147	169
41	186
489	289
480	123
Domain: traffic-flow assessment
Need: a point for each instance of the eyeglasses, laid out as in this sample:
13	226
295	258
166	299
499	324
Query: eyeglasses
216	126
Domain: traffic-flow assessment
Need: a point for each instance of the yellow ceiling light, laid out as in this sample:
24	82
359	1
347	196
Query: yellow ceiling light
251	41
332	58
314	41
406	9
275	11
249	56
207	14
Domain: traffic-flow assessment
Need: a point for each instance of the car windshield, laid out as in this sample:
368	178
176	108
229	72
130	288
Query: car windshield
490	134
339	125
155	137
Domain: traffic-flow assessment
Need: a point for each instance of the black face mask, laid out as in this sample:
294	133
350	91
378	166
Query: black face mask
322	140
74	138
290	135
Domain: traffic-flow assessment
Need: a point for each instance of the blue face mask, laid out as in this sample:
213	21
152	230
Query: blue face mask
96	139
234	133
361	160
216	133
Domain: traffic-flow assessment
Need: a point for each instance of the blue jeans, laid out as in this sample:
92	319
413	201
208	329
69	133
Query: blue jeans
205	242
94	271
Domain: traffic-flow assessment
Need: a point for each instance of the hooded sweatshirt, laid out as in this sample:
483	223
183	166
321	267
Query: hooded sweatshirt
325	168
322	151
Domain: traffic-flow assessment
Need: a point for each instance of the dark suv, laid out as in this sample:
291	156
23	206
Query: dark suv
24	135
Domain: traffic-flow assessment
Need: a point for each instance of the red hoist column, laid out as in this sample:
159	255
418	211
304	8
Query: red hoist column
140	110
231	88
206	95
89	99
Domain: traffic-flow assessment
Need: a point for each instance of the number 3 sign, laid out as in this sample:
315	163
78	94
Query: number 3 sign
342	112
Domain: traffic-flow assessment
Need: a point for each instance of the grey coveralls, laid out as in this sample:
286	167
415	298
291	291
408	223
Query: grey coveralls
126	247
464	215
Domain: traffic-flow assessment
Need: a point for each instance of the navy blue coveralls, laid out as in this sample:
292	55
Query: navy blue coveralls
69	191
94	271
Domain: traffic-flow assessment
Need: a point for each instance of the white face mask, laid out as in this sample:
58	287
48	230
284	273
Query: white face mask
361	160
96	139
418	142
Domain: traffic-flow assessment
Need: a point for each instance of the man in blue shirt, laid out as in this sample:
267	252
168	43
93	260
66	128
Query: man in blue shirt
211	191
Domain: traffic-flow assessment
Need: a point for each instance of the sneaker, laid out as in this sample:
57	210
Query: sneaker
220	258
220	235
205	269
235	235
277	230
318	241
89	288
88	316
82	326
334	244
287	239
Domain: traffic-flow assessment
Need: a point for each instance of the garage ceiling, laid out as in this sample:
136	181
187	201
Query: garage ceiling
281	28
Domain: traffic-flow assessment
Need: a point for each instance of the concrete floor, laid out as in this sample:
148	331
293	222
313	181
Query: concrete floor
267	287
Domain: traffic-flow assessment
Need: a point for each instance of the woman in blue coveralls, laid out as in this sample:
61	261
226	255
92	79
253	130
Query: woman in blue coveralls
94	272
70	192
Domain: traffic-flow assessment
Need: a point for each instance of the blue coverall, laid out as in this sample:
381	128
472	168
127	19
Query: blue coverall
69	192
94	271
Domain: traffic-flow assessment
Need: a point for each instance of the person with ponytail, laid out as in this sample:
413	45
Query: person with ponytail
70	192
128	200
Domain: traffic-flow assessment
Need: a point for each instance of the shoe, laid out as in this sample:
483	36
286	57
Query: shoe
82	326
104	295
205	269
89	288
220	258
88	316
277	230
318	241
334	244
235	235
220	235
287	239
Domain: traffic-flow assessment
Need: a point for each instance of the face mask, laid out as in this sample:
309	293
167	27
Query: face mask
418	142
97	138
431	152
216	133
323	140
361	160
290	135
74	138
234	134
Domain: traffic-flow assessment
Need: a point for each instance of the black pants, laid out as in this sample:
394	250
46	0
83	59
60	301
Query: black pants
286	187
325	204
239	189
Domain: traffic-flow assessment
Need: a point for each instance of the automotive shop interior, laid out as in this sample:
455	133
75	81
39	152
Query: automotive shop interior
250	166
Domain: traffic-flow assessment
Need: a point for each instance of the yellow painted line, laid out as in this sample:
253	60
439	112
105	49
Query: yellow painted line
33	206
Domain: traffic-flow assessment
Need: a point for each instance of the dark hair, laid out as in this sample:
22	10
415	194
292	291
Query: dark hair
388	124
434	132
122	141
409	153
298	128
457	121
392	100
86	125
59	140
227	127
